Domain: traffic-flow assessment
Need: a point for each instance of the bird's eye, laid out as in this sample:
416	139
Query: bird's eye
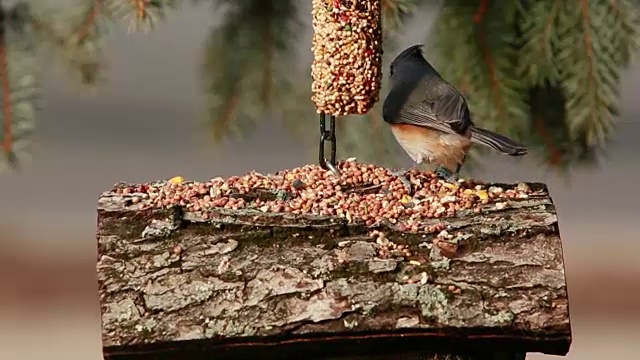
391	70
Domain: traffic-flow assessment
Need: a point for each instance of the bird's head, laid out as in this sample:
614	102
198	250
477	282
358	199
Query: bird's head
408	61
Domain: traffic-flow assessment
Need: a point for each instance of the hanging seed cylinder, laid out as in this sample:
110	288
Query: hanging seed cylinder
347	50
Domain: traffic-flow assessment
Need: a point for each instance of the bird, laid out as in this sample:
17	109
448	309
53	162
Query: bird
431	119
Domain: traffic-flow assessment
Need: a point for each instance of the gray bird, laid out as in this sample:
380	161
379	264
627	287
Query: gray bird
431	120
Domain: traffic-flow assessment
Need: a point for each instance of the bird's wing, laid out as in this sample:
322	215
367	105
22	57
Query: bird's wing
447	112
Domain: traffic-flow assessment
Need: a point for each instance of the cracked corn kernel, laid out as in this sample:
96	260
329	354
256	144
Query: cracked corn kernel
176	180
450	186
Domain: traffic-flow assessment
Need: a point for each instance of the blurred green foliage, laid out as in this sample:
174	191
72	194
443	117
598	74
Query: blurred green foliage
33	33
546	72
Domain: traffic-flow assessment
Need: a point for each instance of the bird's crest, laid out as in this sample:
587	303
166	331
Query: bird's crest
412	51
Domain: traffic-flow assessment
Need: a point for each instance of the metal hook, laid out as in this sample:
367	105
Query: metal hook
330	136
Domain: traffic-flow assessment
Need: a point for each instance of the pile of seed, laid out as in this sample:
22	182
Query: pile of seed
362	192
347	49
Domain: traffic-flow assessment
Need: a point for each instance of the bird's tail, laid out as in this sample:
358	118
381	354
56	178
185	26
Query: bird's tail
497	142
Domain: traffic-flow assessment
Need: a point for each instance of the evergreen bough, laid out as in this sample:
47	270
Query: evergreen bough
546	71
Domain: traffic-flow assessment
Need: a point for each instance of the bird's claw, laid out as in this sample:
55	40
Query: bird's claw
446	175
402	176
398	173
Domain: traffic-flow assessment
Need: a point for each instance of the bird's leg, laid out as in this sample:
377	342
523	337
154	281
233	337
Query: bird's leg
446	175
459	166
403	172
402	175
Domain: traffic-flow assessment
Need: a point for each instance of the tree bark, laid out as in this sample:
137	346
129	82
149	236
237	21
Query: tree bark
249	284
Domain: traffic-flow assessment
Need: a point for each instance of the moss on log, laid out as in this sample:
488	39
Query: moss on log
243	283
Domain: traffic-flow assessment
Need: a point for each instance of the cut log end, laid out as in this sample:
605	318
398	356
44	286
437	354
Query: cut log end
183	274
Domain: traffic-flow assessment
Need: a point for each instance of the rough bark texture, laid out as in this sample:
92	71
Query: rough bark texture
248	284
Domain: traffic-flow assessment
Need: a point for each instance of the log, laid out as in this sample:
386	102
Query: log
175	283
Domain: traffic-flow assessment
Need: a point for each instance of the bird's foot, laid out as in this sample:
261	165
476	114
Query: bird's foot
402	176
401	172
446	175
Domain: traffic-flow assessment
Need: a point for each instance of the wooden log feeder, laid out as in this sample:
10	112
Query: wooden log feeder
304	264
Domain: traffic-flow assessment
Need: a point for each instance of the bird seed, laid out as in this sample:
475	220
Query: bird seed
347	50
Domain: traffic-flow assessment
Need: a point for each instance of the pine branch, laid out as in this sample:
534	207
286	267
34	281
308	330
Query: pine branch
7	123
586	92
78	34
536	29
143	15
396	12
626	25
78	39
475	47
75	38
538	35
551	138
591	55
579	45
248	64
489	61
19	87
89	23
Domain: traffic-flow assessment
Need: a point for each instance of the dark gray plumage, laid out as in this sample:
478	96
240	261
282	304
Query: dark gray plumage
431	119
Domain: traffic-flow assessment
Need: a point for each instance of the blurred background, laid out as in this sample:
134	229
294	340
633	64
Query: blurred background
96	92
